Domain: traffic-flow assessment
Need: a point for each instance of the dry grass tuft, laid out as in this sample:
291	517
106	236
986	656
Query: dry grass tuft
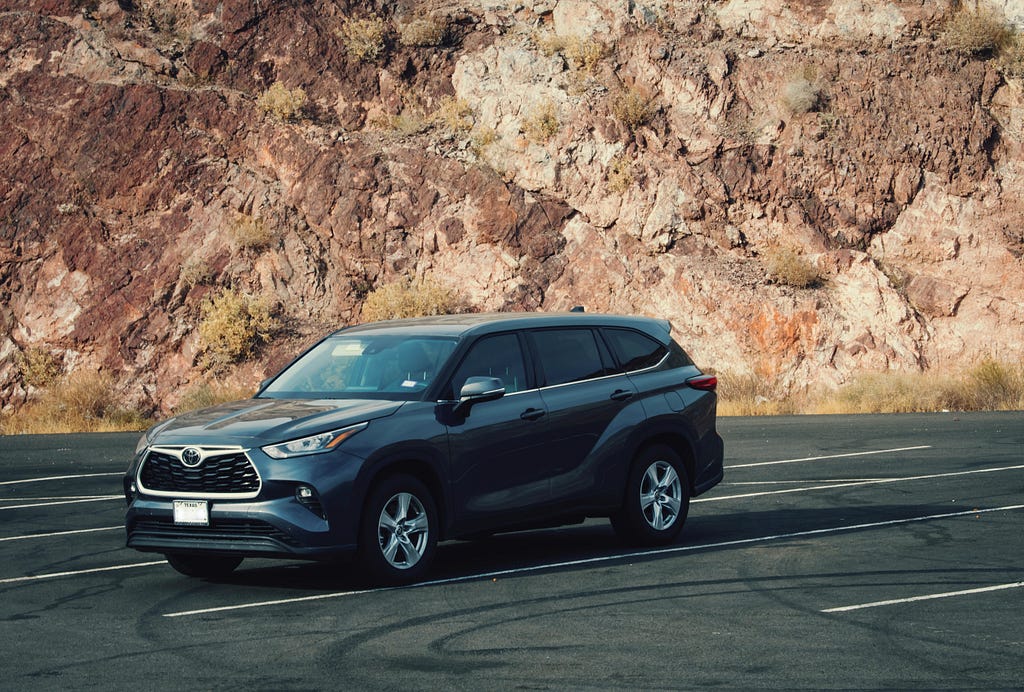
541	122
632	108
38	367
454	114
82	402
989	385
423	32
582	55
283	103
620	175
234	327
250	233
788	267
364	39
800	95
413	298
206	394
979	31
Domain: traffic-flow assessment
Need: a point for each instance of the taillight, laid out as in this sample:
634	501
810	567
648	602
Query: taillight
706	383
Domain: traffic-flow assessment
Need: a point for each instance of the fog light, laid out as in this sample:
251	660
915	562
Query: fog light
130	491
308	498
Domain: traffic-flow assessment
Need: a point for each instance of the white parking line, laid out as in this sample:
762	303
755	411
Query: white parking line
51	497
102	498
816	480
60	533
830	456
948	594
845	484
54	575
597	560
59	478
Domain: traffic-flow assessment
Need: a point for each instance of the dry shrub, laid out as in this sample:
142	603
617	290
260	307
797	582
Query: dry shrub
194	272
753	395
620	175
283	103
890	393
249	232
482	137
407	123
541	122
1011	58
234	327
423	31
800	95
38	367
979	31
364	39
581	54
632	108
206	394
990	385
412	298
454	114
83	402
788	267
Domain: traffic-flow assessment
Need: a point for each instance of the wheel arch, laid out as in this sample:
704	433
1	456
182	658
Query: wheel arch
420	468
679	443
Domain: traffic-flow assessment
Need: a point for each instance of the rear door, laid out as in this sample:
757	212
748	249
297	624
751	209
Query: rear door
591	408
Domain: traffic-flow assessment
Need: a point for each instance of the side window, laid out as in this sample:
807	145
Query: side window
568	355
634	350
493	356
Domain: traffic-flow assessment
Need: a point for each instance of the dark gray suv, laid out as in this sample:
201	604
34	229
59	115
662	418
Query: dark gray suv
383	439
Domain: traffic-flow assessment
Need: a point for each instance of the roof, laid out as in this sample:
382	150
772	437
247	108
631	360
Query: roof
484	322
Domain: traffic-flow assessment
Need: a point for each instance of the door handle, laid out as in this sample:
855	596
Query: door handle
621	394
532	413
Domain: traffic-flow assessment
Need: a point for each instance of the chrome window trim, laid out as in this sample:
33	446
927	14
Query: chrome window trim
650	367
589	379
207	451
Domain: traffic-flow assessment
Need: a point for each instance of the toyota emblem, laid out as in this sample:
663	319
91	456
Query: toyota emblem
191	457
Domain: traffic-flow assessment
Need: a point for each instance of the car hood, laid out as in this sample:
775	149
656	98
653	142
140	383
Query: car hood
265	421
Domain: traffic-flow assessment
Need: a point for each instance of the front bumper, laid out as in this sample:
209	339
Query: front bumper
274	523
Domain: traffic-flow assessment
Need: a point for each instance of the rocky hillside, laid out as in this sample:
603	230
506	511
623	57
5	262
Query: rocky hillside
807	190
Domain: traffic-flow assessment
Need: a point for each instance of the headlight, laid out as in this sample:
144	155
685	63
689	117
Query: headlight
142	444
314	444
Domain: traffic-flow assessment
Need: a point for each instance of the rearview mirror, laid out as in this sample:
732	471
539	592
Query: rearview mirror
480	389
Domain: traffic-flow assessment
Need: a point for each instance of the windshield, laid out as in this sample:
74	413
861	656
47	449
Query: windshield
364	366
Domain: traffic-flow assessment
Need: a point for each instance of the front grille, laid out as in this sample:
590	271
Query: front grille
229	474
219	530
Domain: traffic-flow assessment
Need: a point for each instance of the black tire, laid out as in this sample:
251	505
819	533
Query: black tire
657	498
399	530
208	566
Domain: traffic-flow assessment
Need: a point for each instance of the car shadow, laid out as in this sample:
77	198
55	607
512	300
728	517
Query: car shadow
571	548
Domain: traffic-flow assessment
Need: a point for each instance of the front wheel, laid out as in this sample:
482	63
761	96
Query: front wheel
209	566
398	535
657	498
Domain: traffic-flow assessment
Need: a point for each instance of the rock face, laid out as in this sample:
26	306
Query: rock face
630	157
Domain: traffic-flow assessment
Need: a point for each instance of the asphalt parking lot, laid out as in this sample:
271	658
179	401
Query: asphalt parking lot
839	552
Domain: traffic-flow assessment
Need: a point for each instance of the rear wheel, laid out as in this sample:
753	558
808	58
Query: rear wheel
398	536
657	498
203	565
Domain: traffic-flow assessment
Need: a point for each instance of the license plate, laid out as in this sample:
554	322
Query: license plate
193	512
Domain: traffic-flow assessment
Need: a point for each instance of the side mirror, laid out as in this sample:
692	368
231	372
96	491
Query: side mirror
263	385
480	389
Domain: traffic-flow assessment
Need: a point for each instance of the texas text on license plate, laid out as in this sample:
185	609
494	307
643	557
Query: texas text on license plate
194	512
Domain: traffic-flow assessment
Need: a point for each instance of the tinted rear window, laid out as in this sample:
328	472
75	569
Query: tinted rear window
634	350
568	355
